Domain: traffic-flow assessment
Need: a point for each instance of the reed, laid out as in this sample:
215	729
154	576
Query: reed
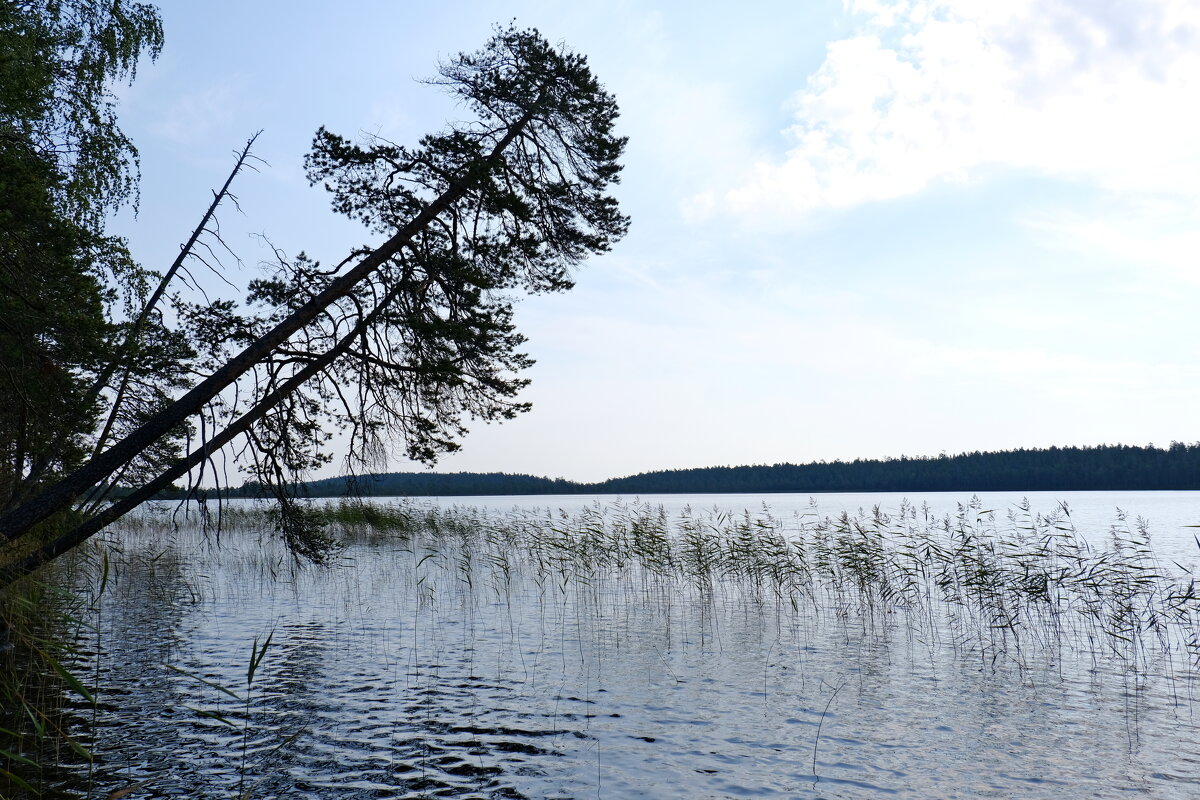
44	664
1014	585
997	582
994	582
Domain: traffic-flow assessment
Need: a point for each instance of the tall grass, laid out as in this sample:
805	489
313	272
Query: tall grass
998	582
44	695
995	585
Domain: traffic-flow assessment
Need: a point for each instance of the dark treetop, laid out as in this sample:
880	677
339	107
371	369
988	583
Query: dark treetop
1106	467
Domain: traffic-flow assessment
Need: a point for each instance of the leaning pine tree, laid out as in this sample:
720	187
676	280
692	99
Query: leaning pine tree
402	341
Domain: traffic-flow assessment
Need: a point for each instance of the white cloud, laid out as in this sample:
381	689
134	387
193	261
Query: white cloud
929	92
193	117
1160	245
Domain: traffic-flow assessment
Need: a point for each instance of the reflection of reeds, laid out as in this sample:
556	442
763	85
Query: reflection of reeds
990	585
997	581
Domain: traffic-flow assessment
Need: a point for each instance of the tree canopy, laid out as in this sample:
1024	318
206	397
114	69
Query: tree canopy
1099	468
59	60
65	286
400	342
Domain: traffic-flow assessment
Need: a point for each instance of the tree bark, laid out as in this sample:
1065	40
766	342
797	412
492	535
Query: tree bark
97	522
60	495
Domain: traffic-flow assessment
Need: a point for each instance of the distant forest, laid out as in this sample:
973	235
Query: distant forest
1055	469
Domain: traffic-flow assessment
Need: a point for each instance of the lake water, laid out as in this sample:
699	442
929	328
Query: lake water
414	669
1173	517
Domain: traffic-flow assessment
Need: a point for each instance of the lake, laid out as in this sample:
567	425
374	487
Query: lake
424	666
1173	516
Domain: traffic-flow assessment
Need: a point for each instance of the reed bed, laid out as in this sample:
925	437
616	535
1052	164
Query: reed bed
998	583
1017	586
44	630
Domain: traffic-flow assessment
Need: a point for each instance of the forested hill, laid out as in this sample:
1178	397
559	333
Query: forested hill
397	484
1055	468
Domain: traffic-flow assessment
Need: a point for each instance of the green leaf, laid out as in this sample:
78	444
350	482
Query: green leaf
18	781
80	749
212	715
257	654
70	679
205	681
11	756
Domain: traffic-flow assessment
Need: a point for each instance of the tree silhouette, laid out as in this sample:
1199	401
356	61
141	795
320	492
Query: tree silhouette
403	340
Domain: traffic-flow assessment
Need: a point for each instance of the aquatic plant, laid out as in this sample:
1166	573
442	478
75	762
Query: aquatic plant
1012	588
44	659
991	581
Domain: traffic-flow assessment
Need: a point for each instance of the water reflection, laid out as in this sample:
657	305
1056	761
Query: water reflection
421	670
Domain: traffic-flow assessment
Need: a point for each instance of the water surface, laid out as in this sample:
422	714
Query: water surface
418	669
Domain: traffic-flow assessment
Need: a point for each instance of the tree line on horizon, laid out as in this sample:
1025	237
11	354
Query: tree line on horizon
1100	467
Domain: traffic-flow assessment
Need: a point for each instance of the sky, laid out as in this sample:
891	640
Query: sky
859	230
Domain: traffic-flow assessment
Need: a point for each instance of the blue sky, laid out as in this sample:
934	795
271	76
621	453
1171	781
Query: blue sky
859	230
